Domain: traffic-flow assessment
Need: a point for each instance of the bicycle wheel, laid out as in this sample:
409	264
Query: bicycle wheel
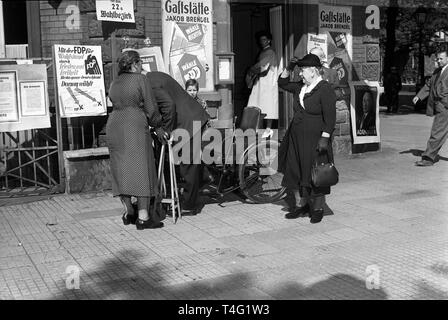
259	179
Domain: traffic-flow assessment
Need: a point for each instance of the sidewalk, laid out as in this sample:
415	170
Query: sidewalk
390	224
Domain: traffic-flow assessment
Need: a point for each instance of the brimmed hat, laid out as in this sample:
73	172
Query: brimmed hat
309	60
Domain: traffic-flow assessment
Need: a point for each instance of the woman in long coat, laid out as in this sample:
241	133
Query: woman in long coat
309	134
129	140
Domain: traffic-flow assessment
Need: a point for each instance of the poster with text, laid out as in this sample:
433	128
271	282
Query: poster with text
80	81
23	97
317	41
188	41
115	10
336	23
364	111
152	59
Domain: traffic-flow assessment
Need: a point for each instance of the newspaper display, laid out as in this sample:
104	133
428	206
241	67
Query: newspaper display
23	97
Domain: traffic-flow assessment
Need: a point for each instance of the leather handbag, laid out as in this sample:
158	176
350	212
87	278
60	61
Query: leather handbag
324	174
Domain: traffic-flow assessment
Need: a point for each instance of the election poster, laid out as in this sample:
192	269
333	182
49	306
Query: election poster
23	97
115	10
336	23
152	59
317	41
364	111
188	41
80	80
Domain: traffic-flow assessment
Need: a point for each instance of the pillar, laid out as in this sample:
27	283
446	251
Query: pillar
223	45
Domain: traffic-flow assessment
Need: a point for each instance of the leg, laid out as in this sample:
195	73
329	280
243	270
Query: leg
144	221
129	214
439	134
192	174
142	203
317	212
303	208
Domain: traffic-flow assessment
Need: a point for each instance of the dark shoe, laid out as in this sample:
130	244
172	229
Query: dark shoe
147	224
424	163
317	215
298	212
129	218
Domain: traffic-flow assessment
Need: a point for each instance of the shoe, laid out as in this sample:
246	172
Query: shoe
317	215
267	133
147	224
424	163
298	212
129	218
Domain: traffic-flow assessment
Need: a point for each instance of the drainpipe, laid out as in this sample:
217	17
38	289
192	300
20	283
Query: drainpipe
2	33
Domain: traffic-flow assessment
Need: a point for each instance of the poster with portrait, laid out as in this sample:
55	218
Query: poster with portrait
80	80
364	111
336	23
187	33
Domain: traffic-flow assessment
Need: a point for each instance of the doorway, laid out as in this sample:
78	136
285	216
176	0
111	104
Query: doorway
247	19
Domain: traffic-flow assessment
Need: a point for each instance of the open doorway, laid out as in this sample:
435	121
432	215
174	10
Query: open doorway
247	20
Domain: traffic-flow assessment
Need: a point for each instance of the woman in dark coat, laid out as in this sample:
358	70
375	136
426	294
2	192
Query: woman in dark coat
130	144
309	133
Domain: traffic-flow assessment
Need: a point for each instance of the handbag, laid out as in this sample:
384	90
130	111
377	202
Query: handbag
324	174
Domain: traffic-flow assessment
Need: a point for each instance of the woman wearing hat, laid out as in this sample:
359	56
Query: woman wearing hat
308	135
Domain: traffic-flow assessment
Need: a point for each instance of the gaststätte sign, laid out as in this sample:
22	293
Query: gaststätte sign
80	82
115	10
188	41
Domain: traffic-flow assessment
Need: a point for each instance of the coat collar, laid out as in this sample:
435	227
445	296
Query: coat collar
317	86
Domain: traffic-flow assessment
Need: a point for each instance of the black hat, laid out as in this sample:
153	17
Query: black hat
309	60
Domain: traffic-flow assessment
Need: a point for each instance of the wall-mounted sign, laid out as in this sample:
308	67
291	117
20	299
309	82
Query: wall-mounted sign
115	10
80	81
23	97
188	41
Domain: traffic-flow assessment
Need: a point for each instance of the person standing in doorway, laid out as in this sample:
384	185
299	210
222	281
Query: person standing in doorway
437	107
262	78
392	87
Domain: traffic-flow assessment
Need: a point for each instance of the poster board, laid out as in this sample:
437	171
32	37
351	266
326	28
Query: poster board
152	58
80	80
24	100
115	10
337	23
364	111
187	32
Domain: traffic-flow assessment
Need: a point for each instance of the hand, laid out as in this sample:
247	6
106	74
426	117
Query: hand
162	135
292	63
322	145
415	100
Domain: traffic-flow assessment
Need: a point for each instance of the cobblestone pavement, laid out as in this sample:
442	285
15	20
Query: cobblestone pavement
390	223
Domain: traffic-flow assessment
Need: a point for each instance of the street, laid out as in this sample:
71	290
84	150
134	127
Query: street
387	239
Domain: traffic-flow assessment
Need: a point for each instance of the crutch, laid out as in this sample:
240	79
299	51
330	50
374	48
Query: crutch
174	196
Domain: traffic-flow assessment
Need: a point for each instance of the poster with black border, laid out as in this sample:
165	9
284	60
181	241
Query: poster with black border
364	111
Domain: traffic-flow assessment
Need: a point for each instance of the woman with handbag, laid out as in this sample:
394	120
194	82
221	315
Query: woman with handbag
308	137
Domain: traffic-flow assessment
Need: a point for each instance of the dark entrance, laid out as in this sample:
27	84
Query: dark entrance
247	19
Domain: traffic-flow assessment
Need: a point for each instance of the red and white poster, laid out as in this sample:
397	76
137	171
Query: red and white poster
188	41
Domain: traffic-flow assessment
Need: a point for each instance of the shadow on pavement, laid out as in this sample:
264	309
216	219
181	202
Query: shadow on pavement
418	153
117	279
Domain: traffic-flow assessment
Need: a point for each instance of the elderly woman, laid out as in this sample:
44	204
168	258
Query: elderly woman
308	136
130	144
